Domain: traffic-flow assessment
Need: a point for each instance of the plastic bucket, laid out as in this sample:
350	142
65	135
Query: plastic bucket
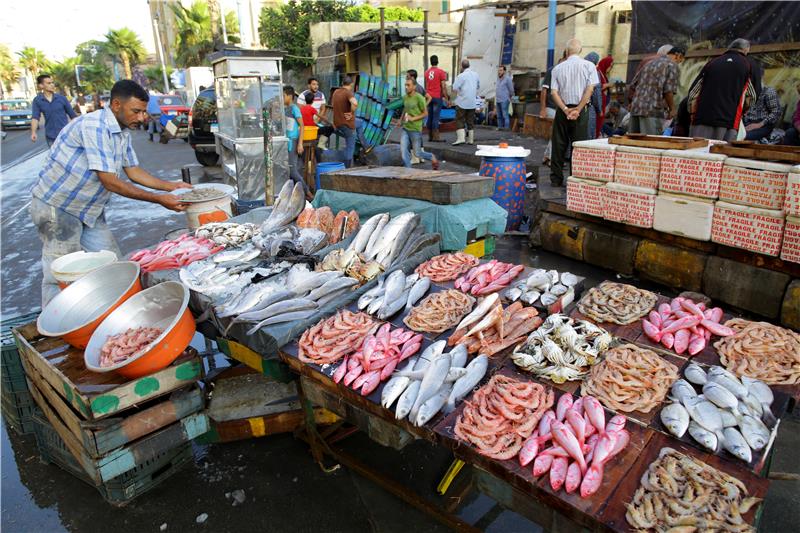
509	185
200	213
326	167
71	267
310	133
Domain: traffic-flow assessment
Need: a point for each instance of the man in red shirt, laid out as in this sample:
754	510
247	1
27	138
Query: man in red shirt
436	87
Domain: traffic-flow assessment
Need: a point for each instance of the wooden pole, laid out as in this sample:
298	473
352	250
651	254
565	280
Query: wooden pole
425	41
347	66
383	46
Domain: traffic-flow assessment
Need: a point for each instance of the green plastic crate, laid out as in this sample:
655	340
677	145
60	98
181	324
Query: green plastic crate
17	403
10	355
122	489
18	410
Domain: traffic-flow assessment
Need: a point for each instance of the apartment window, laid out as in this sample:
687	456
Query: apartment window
591	17
560	18
624	17
524	24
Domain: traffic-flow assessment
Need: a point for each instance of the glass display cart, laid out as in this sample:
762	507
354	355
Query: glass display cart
249	88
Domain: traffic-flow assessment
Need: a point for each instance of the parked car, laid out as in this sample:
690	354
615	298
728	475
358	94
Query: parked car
15	114
202	125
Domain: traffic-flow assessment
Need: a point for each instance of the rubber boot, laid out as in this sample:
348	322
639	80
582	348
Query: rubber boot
459	137
471	137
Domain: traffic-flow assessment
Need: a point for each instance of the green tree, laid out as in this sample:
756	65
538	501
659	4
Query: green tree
126	45
286	26
194	40
92	51
97	78
33	60
367	13
9	73
154	76
64	74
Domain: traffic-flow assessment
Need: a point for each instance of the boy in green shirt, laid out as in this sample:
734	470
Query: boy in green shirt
415	110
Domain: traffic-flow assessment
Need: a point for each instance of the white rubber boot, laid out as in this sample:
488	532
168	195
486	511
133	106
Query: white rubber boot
471	137
459	137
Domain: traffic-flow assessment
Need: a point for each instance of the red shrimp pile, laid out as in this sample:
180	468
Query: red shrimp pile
684	325
175	253
122	346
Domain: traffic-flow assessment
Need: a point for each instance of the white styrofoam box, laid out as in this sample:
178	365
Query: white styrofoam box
638	167
790	249
695	172
752	228
585	196
593	159
686	216
791	202
630	205
754	183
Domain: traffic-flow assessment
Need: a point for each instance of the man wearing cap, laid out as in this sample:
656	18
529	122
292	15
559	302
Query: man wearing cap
654	91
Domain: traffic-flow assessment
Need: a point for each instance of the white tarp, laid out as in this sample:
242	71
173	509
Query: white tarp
482	45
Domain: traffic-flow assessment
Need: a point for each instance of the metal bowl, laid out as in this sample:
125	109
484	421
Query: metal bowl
77	310
162	306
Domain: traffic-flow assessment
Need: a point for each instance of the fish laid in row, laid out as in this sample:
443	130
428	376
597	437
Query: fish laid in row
489	277
387	240
497	328
545	288
616	302
439	311
582	443
447	267
630	378
337	227
761	351
684	325
393	293
335	337
562	349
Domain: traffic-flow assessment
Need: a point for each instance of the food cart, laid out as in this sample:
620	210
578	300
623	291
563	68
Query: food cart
249	86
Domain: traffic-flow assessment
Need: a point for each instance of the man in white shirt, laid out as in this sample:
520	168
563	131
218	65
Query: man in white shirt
572	85
319	96
466	87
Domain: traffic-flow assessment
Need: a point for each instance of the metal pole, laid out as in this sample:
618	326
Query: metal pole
551	34
161	55
241	25
383	46
224	26
425	41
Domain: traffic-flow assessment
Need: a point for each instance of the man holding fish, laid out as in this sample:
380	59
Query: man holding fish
82	169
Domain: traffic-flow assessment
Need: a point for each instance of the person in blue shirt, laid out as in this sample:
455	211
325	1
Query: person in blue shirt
294	131
55	107
154	110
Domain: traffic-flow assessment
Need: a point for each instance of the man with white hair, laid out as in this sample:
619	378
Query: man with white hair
572	85
466	87
722	93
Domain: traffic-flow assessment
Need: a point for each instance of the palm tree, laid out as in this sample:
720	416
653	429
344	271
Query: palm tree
97	78
125	44
64	74
32	60
8	70
195	40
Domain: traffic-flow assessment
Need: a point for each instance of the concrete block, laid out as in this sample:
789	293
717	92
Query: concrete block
563	235
607	248
744	286
669	265
790	310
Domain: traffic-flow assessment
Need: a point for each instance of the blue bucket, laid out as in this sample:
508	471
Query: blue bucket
509	186
326	167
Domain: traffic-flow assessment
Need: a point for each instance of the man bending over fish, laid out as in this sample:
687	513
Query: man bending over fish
83	168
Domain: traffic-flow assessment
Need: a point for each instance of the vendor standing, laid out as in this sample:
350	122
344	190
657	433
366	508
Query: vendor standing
83	168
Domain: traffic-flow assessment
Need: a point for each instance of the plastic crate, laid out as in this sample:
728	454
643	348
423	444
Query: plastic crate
18	409
123	489
10	354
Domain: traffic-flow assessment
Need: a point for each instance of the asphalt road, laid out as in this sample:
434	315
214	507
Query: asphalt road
17	146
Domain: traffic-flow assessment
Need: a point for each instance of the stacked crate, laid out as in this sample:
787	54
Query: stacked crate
790	249
122	436
592	167
17	403
372	94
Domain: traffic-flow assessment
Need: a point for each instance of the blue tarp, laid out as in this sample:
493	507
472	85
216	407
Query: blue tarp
452	222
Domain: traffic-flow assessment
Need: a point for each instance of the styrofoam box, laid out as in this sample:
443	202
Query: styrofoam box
694	172
750	228
638	167
682	215
754	183
585	196
790	250
791	202
593	160
630	205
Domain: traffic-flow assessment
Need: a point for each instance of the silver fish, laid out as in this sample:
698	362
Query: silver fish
759	389
719	395
395	284
432	406
375	305
682	390
401	239
513	294
675	418
243	254
549	298
407	400
261	313
734	442
454	374
703	436
397	384
458	356
303	283
694	373
369	296
553	276
286	209
753	404
539	279
330	286
429	354
359	243
389	308
476	369
332	296
481	309
735	386
418	290
277	319
728	418
558	289
369	251
569	279
531	297
704	413
281	308
754	432
388	237
256	298
435	375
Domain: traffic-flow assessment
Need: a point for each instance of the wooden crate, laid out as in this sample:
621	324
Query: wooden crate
538	127
435	186
94	395
754	150
262	426
658	141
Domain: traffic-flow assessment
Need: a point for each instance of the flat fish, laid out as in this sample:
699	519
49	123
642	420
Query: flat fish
706	438
719	395
759	389
675	418
735	443
754	432
694	373
681	390
704	413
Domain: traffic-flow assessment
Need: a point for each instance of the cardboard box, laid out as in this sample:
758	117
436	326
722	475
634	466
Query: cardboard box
593	160
754	183
638	167
790	249
630	205
585	196
750	228
791	201
691	172
682	215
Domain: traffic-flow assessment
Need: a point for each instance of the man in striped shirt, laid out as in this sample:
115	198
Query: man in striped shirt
83	168
572	85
